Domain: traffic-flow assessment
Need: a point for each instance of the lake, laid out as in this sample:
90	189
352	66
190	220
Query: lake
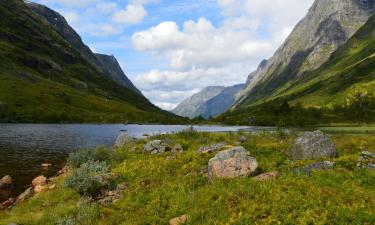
24	147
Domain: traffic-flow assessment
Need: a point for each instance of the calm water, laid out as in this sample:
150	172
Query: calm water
23	147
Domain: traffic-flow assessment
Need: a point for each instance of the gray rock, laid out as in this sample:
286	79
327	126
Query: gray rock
156	147
25	195
178	148
366	160
123	139
243	139
210	149
325	165
234	162
313	145
6	182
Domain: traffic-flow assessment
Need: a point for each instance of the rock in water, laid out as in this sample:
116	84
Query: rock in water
25	195
122	140
41	180
156	147
313	145
366	160
234	162
6	182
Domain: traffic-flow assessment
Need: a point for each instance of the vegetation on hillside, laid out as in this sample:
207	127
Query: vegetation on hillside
44	79
341	90
159	189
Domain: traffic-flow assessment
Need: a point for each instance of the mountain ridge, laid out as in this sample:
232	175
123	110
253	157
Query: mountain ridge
106	64
328	24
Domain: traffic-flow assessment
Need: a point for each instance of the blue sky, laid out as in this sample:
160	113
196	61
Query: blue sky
171	49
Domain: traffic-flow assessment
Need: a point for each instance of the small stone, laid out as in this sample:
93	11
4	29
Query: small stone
41	180
156	147
266	176
52	187
111	193
366	160
123	139
178	148
243	139
46	165
6	182
40	188
25	195
211	149
325	165
9	202
179	220
234	162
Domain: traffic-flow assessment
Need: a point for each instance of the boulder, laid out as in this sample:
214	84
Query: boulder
6	182
156	147
325	165
179	220
366	160
123	139
266	176
234	162
41	180
25	195
313	145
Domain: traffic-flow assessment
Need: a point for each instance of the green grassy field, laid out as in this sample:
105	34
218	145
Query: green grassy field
159	189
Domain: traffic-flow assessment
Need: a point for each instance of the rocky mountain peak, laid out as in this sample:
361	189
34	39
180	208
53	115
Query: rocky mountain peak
328	24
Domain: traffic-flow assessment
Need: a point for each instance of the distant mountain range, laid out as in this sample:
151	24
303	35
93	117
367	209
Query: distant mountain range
209	102
47	74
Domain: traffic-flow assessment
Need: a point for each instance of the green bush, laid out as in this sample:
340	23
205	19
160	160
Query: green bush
89	179
76	159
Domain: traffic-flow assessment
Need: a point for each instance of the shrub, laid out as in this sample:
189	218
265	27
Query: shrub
76	159
89	179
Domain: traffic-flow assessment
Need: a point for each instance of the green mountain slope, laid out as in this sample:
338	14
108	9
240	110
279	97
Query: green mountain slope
44	79
337	91
328	25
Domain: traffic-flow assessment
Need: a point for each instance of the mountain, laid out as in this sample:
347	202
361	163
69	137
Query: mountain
328	25
190	107
220	103
108	65
46	78
341	90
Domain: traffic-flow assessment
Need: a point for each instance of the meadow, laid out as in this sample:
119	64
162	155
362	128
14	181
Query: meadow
159	189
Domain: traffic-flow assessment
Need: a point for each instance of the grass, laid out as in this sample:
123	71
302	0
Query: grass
160	189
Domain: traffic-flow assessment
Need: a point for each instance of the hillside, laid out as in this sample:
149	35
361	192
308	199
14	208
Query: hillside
341	90
328	25
106	64
44	78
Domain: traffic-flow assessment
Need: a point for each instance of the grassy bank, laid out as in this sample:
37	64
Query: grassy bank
159	189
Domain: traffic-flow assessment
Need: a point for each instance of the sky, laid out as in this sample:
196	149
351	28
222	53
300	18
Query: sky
172	49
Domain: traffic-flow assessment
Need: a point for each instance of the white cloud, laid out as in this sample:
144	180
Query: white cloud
200	44
106	30
201	54
133	14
